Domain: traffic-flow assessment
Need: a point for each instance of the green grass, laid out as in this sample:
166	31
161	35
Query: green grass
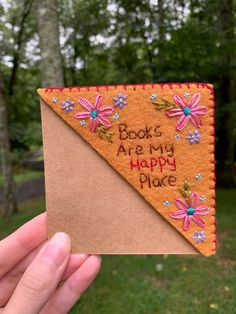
132	285
27	210
24	176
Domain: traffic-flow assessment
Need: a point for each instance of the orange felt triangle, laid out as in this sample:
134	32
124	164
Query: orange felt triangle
134	128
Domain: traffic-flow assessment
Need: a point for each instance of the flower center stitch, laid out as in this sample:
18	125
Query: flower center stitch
94	113
121	100
187	111
190	211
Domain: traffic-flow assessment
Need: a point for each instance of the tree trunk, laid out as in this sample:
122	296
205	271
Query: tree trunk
161	28
9	202
48	29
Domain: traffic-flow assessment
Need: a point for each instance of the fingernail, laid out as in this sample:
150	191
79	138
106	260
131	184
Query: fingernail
57	249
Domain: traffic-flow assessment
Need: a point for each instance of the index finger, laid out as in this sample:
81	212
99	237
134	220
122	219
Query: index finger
17	245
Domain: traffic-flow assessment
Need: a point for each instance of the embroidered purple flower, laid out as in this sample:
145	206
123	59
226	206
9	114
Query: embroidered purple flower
67	105
120	100
199	236
193	137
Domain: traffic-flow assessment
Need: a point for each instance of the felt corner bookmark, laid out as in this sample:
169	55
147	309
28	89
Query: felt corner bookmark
160	138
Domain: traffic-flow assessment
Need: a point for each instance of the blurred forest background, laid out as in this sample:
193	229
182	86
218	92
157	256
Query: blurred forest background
95	42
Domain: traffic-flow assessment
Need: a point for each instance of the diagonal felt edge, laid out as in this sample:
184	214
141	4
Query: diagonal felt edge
45	92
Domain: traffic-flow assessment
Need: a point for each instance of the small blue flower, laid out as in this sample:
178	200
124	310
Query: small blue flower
199	236
116	116
82	122
67	105
177	137
120	100
55	99
198	177
203	198
153	97
193	137
186	94
166	203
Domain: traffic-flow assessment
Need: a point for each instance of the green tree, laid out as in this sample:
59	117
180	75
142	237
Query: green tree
119	41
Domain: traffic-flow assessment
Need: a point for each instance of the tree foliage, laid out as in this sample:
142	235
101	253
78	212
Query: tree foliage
119	41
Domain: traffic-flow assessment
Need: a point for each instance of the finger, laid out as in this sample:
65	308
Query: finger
16	246
74	262
9	282
41	277
67	295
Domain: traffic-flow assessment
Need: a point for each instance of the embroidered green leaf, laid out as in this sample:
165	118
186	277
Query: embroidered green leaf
104	134
165	104
186	190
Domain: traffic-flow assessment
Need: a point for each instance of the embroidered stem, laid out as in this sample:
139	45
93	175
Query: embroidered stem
186	190
166	105
104	134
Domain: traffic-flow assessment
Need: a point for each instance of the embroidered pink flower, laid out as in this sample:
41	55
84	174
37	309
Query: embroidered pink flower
187	111
190	211
96	113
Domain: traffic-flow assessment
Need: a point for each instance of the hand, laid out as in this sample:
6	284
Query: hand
40	276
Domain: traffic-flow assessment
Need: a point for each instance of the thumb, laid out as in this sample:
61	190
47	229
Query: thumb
41	277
